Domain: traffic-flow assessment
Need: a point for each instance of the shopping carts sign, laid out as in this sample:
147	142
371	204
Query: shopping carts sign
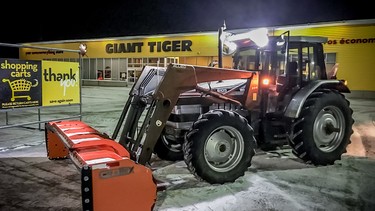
20	83
30	83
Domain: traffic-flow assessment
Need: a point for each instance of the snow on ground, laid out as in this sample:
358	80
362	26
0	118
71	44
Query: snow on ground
275	181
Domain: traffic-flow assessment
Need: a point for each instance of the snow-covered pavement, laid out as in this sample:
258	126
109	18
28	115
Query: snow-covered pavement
275	181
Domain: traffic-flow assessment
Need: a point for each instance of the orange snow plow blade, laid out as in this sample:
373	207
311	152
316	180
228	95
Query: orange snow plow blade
110	180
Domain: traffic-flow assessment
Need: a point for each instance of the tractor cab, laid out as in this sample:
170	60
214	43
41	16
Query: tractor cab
284	63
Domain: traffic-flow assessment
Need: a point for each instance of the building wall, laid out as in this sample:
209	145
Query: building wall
205	61
354	46
199	44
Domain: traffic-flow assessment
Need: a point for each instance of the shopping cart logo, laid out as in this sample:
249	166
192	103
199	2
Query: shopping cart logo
20	86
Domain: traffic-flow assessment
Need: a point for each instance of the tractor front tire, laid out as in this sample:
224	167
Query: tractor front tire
168	149
322	133
219	147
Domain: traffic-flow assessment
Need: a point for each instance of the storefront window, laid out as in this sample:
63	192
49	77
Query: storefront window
99	75
107	72
330	58
124	69
123	76
331	65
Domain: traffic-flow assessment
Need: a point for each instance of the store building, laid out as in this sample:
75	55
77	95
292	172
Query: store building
351	45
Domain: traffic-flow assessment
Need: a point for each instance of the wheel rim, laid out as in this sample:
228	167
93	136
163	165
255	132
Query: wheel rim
224	149
173	146
329	127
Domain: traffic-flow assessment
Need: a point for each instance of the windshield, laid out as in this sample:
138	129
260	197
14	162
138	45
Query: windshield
270	60
246	59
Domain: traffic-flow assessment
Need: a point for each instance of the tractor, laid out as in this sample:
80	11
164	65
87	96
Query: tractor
290	99
278	92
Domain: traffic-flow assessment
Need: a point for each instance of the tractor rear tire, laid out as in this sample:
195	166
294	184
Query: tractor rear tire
167	149
219	147
322	133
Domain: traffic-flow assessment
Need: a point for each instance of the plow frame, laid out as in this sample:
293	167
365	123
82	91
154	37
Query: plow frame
176	80
114	174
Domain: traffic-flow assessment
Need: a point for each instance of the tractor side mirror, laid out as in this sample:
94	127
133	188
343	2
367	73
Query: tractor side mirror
281	42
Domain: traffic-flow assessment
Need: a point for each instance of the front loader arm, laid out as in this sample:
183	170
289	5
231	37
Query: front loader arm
179	79
113	174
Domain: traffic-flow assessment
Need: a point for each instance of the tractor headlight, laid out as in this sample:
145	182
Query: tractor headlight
259	36
229	47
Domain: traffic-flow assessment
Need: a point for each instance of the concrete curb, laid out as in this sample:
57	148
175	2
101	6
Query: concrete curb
87	82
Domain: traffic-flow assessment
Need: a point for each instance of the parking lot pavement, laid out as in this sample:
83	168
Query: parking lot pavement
275	181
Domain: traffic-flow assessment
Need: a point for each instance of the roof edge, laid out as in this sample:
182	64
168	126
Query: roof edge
286	27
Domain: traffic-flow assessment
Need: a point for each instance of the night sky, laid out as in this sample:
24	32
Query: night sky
32	22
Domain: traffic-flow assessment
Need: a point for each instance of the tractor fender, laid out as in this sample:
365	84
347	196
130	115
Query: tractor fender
294	107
